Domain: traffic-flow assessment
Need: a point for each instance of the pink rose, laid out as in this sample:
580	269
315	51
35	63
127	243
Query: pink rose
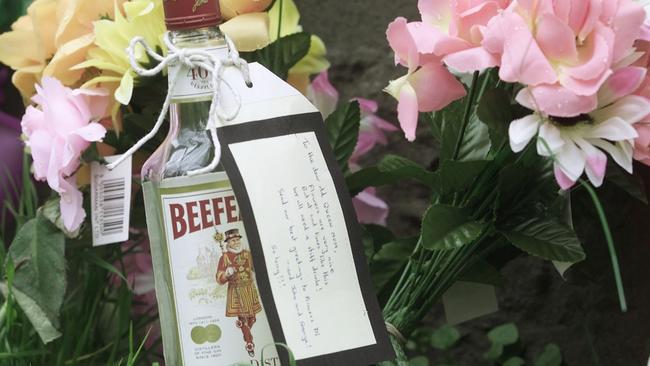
450	32
563	48
58	130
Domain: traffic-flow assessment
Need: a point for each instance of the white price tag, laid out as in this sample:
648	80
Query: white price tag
110	197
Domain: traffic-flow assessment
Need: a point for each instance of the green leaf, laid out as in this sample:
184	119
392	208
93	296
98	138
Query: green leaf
51	211
476	142
548	239
343	131
446	227
505	334
406	168
551	356
444	337
495	112
39	282
419	361
514	361
457	176
390	259
281	55
495	351
482	272
369	177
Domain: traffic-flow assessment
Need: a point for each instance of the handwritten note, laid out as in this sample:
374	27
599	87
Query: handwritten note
305	243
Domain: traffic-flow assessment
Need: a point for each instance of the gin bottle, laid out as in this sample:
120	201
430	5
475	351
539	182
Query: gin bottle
209	306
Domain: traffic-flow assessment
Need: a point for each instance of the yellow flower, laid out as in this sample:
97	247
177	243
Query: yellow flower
54	35
232	8
143	18
249	31
314	62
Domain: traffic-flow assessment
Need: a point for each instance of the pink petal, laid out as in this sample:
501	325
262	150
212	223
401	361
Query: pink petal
370	209
595	167
584	87
556	38
642	143
71	204
565	182
474	17
33	120
446	90
591	19
595	58
381	123
556	100
622	82
522	60
407	111
93	103
472	59
644	33
434	11
91	132
323	94
40	144
578	14
400	40
367	105
628	22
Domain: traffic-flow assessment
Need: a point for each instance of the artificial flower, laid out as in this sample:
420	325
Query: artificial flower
642	143
233	8
369	208
578	144
566	48
450	30
415	94
323	94
58	130
249	31
287	23
54	35
144	18
372	129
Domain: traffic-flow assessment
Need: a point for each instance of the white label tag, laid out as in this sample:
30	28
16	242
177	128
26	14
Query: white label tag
110	197
469	300
193	85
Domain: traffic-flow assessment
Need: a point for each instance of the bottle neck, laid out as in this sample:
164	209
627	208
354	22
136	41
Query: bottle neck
198	37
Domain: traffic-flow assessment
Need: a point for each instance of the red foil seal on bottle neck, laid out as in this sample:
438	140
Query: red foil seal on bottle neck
188	14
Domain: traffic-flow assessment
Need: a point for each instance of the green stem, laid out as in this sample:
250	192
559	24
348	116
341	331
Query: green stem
610	244
3	313
466	115
280	19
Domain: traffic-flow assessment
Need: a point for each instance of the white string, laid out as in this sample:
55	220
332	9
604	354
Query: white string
191	58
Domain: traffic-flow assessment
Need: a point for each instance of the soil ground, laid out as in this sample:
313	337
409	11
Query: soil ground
580	313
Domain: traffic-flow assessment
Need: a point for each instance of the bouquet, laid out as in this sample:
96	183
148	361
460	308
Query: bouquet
529	101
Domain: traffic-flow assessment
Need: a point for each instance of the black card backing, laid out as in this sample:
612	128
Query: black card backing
291	125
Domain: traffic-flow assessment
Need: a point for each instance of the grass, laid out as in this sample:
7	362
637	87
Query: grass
97	322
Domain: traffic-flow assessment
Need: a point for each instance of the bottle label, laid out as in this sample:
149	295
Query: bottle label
192	84
219	313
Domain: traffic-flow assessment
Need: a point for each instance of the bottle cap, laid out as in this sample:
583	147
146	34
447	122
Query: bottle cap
188	14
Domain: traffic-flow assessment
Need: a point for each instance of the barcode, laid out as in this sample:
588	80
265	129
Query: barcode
113	193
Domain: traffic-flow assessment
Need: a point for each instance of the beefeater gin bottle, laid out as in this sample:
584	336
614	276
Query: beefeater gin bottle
209	306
